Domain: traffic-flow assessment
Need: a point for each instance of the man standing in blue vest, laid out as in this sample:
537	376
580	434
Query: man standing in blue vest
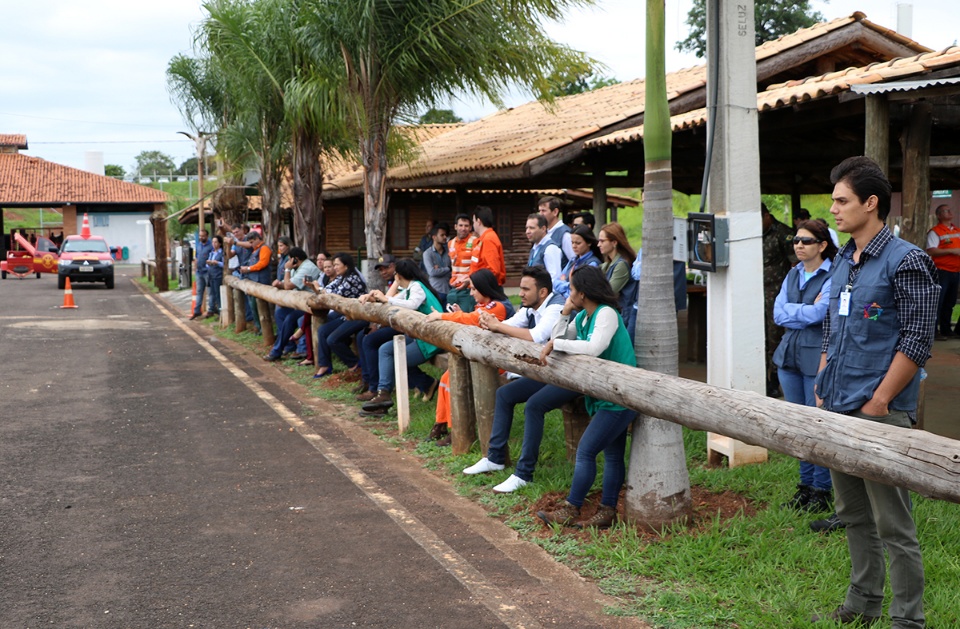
203	271
877	335
559	232
544	252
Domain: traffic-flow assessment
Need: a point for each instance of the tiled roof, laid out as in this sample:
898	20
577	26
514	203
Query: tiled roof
513	137
776	46
34	181
13	140
794	92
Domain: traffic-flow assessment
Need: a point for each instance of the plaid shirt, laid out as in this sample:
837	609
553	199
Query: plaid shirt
916	290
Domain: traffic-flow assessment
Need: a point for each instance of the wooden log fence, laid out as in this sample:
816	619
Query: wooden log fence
914	459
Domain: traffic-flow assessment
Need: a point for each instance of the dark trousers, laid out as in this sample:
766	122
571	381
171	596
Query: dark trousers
540	399
607	433
949	283
339	341
286	319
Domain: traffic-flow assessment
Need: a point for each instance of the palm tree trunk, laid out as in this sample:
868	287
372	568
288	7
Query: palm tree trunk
658	485
307	187
374	155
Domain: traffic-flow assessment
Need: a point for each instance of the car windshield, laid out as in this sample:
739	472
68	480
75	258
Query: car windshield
85	246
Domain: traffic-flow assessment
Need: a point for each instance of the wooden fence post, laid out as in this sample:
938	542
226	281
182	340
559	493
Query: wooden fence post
462	420
266	321
226	306
575	420
400	382
485	380
239	310
316	320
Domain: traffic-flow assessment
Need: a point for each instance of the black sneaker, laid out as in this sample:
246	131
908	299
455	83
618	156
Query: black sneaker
800	499
821	501
831	524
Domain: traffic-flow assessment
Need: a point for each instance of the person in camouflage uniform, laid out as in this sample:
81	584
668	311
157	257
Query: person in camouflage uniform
778	259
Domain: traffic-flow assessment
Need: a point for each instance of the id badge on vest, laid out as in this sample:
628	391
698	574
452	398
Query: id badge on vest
844	309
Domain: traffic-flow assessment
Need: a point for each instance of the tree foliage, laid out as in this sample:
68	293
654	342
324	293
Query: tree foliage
114	170
576	79
439	116
153	162
774	18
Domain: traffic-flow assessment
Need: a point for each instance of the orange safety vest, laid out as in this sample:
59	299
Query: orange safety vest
461	253
949	239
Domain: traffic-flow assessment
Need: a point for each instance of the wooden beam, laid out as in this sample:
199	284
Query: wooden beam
915	143
877	131
599	194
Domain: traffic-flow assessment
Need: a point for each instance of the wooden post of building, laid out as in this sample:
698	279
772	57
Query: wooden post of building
600	195
876	141
159	224
400	380
485	380
264	309
463	430
915	142
239	310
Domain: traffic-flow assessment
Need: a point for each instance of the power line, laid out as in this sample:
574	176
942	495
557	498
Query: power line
118	124
110	142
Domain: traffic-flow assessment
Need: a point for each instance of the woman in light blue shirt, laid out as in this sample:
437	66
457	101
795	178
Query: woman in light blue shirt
801	307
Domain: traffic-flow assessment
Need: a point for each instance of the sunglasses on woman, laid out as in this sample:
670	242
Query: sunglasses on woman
806	240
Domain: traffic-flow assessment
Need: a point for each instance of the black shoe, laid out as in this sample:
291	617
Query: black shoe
831	524
800	499
821	501
845	616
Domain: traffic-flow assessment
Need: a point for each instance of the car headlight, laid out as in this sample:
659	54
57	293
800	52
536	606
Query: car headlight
63	262
106	262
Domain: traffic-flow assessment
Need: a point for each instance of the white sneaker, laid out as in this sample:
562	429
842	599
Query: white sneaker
483	466
510	485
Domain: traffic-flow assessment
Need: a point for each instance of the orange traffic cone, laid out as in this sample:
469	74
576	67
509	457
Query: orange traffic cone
68	296
85	227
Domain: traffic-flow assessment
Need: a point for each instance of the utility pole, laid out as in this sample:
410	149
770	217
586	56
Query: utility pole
201	142
735	330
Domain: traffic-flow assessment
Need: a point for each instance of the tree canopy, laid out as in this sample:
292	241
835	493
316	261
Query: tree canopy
439	116
153	162
114	170
774	18
576	79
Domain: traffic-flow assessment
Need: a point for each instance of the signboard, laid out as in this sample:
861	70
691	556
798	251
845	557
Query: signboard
942	194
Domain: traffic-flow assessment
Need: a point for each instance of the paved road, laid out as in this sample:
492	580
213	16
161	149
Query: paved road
151	476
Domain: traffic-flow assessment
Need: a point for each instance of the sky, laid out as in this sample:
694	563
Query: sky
90	76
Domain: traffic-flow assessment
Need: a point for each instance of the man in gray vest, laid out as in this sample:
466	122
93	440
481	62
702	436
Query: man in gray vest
549	208
544	252
877	335
533	322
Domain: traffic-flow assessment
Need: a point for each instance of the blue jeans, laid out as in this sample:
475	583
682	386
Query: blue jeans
286	325
798	389
253	315
334	321
415	378
369	344
214	302
540	399
339	341
607	433
201	289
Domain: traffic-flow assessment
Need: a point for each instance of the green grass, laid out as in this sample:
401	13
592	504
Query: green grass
174	284
760	571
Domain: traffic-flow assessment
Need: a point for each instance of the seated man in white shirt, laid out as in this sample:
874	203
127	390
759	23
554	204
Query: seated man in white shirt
533	322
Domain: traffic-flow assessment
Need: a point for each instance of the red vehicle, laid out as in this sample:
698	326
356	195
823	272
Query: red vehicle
85	258
25	258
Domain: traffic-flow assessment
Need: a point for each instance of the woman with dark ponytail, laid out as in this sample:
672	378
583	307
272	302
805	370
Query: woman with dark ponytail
597	330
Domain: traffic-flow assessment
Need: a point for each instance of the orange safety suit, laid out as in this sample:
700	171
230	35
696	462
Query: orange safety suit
461	253
488	254
495	308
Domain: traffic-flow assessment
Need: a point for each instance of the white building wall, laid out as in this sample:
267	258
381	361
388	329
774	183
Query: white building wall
129	229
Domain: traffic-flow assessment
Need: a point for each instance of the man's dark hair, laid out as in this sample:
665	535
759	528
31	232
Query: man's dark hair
484	215
942	206
540	275
588	219
866	179
298	253
552	203
803	214
438	226
326	254
537	216
462	217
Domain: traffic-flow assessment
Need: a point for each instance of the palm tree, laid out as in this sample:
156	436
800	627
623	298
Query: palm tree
250	41
658	485
400	57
